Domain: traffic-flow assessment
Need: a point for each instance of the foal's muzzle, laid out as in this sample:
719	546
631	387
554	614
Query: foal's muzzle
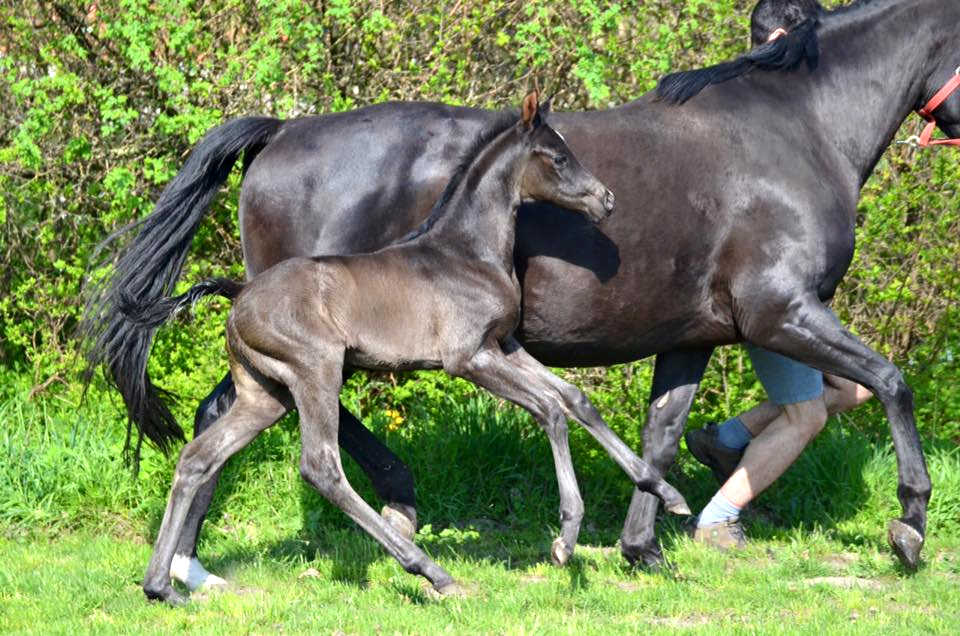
608	202
605	205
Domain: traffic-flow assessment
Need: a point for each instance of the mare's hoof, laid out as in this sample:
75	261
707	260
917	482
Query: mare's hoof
679	508
906	542
559	552
649	557
213	582
449	590
166	595
400	522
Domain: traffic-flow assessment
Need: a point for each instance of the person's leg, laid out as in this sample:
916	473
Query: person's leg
721	447
798	390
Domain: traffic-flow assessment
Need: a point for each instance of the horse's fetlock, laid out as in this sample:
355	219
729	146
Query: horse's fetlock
572	512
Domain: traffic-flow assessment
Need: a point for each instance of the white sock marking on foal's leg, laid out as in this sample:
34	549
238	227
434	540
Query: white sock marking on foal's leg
190	572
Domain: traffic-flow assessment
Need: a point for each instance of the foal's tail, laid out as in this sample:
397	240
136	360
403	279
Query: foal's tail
153	315
147	271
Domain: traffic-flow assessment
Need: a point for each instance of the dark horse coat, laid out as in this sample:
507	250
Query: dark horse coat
735	222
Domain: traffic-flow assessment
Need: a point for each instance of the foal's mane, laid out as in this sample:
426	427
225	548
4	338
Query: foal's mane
504	120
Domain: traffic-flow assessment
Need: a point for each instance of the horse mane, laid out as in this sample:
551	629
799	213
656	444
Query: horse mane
484	137
785	53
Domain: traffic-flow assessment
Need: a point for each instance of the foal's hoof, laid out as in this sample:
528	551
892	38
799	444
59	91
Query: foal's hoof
166	595
674	502
400	522
450	590
559	552
906	542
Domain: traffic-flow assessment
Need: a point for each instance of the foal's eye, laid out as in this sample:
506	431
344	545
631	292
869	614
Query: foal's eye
560	160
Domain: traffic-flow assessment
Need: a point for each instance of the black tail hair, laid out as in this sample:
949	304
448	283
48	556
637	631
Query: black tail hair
147	272
784	53
153	315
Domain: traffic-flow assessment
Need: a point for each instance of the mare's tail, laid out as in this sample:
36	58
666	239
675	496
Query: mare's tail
147	271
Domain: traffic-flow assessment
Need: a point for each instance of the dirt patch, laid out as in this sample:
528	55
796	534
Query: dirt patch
533	579
680	622
841	559
845	582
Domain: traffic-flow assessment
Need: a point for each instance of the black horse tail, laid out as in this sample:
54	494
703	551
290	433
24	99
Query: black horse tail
152	315
784	53
147	272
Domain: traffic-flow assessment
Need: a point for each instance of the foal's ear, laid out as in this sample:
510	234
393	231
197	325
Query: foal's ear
530	109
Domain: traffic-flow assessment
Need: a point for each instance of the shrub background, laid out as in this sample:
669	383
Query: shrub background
100	102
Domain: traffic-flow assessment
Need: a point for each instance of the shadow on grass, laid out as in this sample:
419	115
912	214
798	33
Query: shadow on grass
487	491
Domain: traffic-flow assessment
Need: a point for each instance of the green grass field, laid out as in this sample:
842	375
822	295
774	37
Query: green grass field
76	531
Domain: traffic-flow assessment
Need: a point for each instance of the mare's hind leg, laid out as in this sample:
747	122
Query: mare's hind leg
392	480
806	331
676	378
316	398
256	408
576	403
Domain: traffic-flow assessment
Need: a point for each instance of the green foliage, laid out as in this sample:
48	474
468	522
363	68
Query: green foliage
102	101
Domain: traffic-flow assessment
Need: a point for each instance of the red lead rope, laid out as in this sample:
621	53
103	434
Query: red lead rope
927	113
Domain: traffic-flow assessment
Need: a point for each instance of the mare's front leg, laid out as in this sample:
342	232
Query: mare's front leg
676	378
576	403
802	328
254	410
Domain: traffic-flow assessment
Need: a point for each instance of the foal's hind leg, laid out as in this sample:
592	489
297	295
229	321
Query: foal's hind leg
675	381
391	479
316	398
807	332
186	567
256	408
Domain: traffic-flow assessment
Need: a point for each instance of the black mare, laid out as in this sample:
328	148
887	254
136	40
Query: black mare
735	222
446	297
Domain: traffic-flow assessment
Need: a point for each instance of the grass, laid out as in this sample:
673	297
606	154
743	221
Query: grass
75	533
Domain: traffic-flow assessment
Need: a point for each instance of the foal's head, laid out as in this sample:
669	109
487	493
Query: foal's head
552	173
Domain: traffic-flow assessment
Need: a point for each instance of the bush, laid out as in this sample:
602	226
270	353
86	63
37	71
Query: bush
102	100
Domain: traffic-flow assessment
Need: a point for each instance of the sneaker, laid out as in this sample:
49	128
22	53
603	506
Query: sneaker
704	444
723	535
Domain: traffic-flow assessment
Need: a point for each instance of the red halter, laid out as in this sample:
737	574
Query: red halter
923	140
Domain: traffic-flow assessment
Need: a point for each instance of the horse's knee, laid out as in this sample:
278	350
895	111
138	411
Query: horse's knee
892	390
577	401
554	421
320	468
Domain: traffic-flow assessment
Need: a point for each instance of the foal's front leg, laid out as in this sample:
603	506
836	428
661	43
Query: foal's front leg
576	403
491	369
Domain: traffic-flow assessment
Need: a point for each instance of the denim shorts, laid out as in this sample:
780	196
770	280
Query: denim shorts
785	380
